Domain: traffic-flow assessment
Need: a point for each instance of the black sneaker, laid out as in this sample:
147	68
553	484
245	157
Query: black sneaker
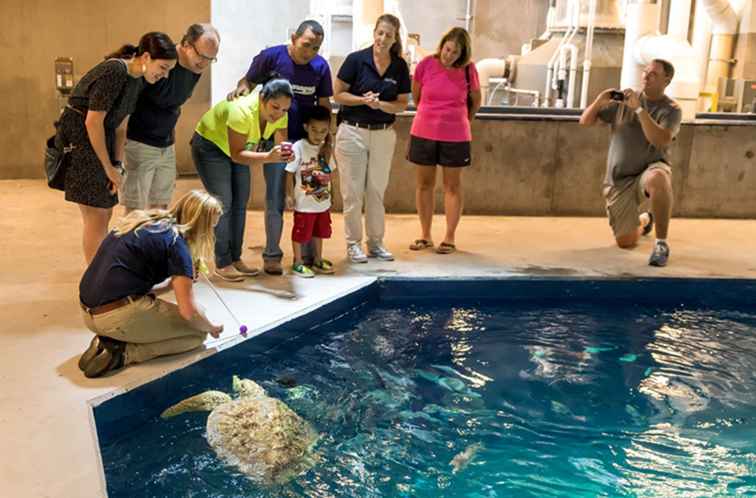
95	348
647	229
109	359
660	254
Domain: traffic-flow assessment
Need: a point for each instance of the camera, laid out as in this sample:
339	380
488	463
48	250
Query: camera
617	95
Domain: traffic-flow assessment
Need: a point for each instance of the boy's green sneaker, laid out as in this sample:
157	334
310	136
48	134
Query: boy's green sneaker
302	271
323	266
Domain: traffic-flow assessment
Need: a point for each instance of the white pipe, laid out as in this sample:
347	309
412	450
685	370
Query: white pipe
679	19
550	19
724	22
553	59
468	15
686	83
588	59
562	72
702	41
642	19
488	68
566	42
723	17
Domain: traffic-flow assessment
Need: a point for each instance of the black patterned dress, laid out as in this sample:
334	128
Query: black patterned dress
106	87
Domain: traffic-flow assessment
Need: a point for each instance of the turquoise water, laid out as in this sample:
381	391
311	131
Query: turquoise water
489	401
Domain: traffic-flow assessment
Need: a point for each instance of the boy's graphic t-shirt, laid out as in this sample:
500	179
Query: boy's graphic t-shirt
312	190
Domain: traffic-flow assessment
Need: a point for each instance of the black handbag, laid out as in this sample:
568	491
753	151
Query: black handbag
56	155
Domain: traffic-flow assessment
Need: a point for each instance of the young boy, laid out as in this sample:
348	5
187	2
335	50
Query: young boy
309	194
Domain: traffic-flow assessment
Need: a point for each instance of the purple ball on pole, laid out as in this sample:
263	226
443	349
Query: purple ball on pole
243	330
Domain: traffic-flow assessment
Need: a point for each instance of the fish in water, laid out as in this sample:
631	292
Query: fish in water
462	459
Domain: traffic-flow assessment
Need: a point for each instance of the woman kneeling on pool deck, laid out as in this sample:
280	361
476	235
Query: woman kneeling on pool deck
117	291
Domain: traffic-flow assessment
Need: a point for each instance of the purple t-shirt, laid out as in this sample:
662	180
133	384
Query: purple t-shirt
309	81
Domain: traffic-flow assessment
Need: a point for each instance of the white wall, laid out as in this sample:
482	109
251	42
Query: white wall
432	19
247	27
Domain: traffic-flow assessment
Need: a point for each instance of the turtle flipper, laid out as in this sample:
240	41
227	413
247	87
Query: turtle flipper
246	388
203	402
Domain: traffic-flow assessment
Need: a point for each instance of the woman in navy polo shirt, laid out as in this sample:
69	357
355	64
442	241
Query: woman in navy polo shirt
117	292
372	86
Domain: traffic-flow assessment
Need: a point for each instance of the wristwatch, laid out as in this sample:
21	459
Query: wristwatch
119	166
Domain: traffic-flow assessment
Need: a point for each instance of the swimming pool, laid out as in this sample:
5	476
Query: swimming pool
480	388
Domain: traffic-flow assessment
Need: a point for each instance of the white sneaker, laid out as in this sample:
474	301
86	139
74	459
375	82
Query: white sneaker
355	254
380	252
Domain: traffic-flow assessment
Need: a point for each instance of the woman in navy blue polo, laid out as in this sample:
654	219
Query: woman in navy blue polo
372	86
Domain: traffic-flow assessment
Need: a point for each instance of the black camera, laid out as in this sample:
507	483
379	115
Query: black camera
617	95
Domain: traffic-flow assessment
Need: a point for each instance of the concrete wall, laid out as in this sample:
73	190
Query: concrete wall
36	32
500	28
555	168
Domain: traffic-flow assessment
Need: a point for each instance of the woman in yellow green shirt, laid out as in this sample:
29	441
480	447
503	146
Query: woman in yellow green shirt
229	138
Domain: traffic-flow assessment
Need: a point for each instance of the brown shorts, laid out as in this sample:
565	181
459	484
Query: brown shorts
623	206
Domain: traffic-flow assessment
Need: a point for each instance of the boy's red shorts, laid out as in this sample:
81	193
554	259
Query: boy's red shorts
309	225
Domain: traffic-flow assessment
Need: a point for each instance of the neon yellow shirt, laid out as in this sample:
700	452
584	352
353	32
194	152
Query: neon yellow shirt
241	115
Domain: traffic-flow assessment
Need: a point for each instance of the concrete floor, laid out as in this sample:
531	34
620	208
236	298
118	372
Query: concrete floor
47	441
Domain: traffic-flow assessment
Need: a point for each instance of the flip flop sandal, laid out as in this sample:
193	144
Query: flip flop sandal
446	248
420	244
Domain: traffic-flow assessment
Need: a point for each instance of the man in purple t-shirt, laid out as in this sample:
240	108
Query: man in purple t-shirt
310	78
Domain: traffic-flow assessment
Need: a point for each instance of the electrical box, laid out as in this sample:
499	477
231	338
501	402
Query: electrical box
736	95
64	75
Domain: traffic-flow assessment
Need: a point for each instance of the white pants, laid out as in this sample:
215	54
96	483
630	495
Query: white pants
364	161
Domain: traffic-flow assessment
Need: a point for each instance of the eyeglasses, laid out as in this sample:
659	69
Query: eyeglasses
211	60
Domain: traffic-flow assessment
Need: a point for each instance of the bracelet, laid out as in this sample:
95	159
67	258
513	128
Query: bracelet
639	110
117	163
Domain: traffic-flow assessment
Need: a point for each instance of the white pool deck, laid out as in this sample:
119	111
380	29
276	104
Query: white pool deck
46	436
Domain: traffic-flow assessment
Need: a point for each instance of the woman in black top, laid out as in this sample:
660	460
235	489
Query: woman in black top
94	123
372	86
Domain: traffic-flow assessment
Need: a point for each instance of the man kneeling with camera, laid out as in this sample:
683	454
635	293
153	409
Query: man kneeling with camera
638	167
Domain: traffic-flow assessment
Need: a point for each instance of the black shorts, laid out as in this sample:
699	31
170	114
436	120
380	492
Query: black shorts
432	152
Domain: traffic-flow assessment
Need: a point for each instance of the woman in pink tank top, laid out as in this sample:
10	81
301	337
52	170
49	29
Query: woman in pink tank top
446	92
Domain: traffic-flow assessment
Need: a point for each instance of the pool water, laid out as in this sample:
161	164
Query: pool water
482	400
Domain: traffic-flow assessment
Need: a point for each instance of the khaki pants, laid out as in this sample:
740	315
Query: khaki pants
364	161
149	327
623	205
151	175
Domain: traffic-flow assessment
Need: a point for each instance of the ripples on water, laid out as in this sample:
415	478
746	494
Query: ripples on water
492	402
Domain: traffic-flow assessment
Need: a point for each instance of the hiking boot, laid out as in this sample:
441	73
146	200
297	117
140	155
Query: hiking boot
355	254
660	255
380	252
247	271
229	274
272	267
109	359
95	348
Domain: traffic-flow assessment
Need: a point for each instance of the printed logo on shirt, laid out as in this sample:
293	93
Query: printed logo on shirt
316	179
391	80
303	90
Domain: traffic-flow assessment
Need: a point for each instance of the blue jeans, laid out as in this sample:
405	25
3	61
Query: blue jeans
230	182
275	195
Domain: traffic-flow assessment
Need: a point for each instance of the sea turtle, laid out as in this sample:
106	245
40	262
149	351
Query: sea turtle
256	433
